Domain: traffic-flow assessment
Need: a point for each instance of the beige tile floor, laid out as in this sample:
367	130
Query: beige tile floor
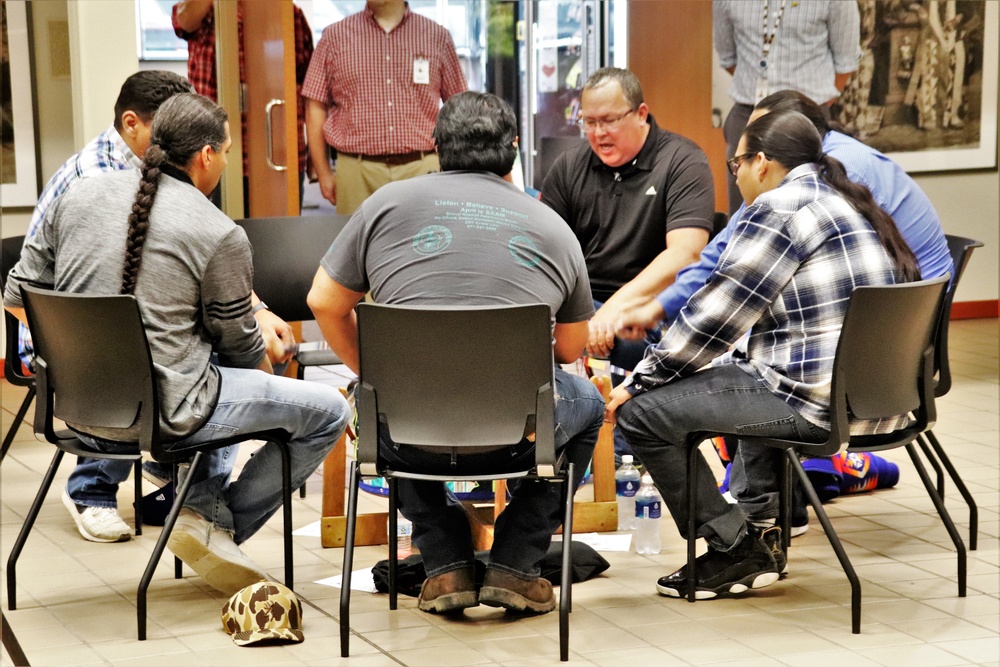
77	607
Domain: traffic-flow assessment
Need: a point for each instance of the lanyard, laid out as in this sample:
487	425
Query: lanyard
769	38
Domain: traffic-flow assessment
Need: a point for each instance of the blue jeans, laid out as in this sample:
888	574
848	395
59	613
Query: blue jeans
94	482
523	532
722	399
251	400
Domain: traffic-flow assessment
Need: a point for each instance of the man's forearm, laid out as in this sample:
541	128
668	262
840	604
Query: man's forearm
656	277
315	118
190	14
341	334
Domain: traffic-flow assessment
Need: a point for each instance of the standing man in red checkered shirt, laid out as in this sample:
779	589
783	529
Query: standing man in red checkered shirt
194	22
374	87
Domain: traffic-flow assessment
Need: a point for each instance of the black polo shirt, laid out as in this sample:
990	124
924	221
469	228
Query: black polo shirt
622	215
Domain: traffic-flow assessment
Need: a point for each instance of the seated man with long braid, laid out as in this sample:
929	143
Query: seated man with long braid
155	234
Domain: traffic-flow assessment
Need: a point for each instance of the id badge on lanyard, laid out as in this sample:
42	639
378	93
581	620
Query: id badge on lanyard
421	71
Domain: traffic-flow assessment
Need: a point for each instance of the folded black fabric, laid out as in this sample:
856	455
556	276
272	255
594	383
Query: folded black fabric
410	574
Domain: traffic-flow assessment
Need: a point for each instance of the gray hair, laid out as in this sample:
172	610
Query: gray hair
627	80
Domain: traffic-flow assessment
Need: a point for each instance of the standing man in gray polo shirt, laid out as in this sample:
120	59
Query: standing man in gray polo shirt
811	46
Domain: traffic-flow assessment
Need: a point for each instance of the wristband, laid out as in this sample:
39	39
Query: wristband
259	307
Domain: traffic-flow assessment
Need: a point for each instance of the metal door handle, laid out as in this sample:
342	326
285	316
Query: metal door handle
267	129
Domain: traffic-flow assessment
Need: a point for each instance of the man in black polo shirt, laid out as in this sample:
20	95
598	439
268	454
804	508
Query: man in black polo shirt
639	198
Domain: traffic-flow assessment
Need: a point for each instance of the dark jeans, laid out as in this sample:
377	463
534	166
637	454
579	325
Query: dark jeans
724	399
626	354
523	532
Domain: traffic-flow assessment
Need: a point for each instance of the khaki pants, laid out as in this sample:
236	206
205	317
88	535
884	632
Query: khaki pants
357	179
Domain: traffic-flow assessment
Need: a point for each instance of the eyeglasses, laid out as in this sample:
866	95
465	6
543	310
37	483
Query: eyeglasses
593	124
734	162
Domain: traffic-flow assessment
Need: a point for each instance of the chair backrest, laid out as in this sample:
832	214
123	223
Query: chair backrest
961	251
455	377
10	254
719	221
885	354
286	255
93	361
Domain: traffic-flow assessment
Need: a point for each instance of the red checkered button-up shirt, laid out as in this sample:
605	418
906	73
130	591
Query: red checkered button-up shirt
201	66
366	77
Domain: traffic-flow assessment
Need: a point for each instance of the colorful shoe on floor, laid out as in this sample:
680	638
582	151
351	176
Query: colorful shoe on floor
748	565
97	524
515	594
449	592
212	554
863	471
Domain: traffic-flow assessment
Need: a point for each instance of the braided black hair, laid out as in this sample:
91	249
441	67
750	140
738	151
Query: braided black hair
184	125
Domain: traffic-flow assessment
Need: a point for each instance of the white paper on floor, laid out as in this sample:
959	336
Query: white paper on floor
310	530
600	542
361	580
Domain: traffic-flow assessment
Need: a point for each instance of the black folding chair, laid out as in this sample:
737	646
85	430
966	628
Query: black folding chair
475	398
94	369
884	366
12	369
286	255
961	251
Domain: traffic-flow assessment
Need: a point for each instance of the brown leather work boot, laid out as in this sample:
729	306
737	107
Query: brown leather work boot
450	591
501	589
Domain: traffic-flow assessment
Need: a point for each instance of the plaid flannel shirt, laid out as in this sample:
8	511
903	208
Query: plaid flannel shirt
107	152
786	277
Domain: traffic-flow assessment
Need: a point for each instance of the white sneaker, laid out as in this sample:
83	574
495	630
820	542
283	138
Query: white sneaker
212	554
98	524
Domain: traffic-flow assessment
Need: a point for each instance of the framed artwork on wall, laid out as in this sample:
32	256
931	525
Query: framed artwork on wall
925	92
19	146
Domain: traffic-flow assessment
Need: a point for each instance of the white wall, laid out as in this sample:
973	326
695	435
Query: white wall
103	51
969	205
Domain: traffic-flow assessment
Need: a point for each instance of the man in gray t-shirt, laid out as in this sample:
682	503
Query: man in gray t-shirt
467	237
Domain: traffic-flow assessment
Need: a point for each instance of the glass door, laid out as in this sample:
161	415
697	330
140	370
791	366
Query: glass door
561	43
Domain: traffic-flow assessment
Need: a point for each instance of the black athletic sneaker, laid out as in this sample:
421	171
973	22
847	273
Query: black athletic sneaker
748	565
772	538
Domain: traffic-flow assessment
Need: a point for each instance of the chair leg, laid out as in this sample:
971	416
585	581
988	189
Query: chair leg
137	481
286	505
161	543
29	521
831	535
931	459
960	485
785	499
393	544
11	644
345	584
945	517
16	424
566	582
692	534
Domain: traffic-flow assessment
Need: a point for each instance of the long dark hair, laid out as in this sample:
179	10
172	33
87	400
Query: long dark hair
791	139
183	125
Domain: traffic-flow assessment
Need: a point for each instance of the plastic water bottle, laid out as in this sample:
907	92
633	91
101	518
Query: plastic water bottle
647	512
404	536
626	486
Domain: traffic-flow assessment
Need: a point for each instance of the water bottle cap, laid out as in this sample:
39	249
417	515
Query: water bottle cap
646	479
627	459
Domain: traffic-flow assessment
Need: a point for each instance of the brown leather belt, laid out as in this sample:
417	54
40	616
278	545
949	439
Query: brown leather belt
393	160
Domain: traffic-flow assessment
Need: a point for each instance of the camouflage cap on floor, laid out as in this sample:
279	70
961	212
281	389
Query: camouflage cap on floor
265	611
